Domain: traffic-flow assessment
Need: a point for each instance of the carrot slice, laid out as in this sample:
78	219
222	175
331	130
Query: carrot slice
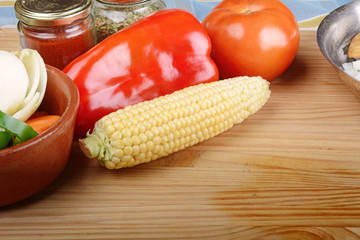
42	123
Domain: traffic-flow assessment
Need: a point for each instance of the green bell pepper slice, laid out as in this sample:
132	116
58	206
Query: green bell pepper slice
15	128
5	139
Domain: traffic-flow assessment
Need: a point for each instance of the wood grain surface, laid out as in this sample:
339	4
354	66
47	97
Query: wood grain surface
291	171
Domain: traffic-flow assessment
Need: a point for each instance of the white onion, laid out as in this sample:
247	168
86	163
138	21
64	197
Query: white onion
14	83
23	81
353	69
36	70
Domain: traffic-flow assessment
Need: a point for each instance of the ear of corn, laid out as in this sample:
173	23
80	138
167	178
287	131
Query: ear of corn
156	128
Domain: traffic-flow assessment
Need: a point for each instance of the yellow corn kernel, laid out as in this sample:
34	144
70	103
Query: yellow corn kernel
152	129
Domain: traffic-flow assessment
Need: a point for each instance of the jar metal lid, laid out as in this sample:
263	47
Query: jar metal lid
122	2
51	12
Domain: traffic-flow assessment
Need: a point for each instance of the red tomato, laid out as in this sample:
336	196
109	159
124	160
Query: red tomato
252	37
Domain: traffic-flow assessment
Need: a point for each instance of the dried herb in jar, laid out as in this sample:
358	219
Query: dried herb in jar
111	17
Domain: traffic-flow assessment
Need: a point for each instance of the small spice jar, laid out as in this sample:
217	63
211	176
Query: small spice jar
60	30
113	15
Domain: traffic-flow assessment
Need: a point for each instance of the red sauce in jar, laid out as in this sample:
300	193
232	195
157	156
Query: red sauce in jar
60	31
58	45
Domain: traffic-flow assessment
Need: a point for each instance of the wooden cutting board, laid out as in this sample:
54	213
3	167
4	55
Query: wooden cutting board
291	171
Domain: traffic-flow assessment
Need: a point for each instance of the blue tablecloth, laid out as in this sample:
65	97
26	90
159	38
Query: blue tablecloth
308	12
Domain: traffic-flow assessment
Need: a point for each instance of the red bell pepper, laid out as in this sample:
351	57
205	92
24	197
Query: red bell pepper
157	55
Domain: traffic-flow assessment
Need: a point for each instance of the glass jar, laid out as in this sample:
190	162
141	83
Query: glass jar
113	15
60	30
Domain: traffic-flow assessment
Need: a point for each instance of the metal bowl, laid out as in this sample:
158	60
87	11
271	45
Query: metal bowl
334	35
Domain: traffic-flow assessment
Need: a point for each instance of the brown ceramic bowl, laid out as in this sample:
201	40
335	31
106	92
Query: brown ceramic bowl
27	168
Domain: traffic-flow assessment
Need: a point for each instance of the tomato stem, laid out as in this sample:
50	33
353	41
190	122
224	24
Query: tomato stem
247	11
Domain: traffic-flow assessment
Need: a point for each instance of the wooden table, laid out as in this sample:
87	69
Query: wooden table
291	171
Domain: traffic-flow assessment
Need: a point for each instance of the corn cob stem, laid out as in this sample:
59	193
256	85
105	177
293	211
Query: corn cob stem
153	129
